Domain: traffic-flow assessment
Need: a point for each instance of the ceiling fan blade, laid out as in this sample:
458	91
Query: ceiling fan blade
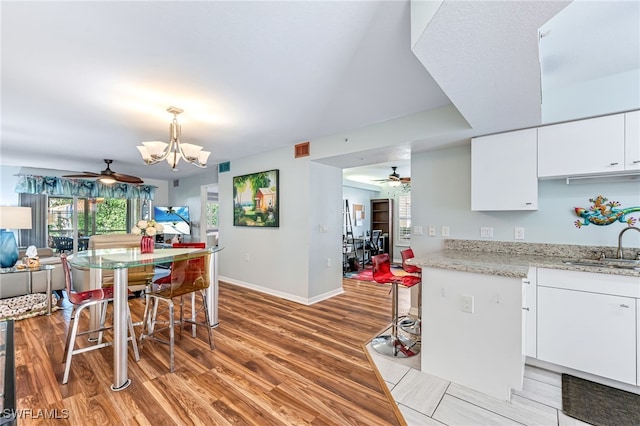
126	178
84	175
405	180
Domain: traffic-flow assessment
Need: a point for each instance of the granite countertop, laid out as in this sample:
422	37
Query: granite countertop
514	259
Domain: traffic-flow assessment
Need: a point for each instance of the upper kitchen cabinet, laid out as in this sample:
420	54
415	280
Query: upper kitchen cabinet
503	171
632	140
596	145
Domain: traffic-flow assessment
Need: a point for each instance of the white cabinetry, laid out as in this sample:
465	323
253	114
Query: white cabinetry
632	140
503	171
529	311
588	322
581	147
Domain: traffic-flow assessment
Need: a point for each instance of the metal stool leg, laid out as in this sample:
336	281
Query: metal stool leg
393	344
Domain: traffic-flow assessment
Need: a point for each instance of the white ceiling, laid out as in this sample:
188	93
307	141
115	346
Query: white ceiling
84	81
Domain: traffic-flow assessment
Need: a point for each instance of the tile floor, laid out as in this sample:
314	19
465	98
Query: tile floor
426	400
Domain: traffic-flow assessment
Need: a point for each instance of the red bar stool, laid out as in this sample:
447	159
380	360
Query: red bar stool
412	326
393	344
187	278
80	301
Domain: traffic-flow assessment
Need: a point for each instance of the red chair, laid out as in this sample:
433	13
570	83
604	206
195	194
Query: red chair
393	345
80	301
406	255
187	277
413	327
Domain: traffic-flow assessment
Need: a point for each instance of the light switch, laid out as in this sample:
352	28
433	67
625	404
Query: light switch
445	231
417	230
432	231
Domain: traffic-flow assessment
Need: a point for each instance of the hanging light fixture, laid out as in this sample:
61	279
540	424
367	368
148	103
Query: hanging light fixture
155	151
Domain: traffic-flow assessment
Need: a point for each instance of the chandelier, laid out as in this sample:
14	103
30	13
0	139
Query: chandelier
155	151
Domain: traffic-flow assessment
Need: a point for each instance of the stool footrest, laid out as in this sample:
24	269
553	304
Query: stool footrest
398	347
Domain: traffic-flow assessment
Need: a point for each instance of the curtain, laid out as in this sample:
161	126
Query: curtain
83	188
37	235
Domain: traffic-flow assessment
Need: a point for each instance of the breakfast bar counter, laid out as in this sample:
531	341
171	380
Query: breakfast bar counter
514	259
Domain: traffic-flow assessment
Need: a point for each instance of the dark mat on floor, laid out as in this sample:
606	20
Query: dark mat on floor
598	404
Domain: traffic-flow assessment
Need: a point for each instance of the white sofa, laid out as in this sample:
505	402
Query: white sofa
17	284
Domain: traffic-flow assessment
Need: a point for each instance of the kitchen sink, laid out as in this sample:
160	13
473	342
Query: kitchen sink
606	263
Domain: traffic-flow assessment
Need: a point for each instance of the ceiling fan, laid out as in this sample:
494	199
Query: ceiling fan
395	177
108	176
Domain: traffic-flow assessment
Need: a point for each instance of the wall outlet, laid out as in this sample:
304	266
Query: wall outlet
328	262
518	233
432	231
445	231
486	232
247	257
467	304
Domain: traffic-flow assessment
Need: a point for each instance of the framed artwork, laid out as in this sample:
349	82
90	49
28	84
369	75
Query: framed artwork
255	200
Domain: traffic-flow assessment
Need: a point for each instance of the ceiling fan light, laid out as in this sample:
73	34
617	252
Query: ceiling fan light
155	148
107	180
394	183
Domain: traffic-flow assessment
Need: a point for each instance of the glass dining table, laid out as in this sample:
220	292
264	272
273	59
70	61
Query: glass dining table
120	260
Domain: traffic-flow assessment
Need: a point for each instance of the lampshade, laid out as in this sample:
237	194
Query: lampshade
15	217
11	218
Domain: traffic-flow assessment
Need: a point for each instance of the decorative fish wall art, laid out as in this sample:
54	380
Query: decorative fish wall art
604	213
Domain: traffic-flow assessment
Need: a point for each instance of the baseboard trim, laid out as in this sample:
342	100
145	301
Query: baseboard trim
283	295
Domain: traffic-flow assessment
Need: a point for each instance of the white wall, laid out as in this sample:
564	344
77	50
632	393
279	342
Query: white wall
441	195
273	260
186	192
325	232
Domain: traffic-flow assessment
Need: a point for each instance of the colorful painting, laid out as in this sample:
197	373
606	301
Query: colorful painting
255	199
604	213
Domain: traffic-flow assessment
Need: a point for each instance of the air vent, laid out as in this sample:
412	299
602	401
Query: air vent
224	167
302	149
176	183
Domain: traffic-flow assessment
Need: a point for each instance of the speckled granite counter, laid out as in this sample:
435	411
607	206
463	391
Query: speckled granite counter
511	259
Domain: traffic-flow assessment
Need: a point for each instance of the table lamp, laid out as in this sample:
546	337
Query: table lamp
11	218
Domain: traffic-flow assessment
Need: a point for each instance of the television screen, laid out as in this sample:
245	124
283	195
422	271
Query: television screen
174	219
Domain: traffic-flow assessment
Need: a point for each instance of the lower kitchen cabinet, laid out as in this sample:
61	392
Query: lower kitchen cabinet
529	311
587	331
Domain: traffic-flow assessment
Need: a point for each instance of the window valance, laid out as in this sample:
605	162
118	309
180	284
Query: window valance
85	188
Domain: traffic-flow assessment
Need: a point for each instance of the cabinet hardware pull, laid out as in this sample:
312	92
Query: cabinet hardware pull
636	161
613	164
622	305
525	309
528	204
526	281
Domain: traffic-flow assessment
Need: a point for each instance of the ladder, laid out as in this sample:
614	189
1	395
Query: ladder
349	245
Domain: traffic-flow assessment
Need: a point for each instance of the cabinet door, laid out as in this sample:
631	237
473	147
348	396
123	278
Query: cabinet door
591	332
529	314
503	171
632	140
581	147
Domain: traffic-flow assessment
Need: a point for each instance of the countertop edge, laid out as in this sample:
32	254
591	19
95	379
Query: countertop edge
503	264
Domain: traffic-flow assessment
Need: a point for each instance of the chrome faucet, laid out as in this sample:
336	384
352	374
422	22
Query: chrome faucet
619	252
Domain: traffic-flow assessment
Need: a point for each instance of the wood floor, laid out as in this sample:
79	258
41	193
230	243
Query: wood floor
275	363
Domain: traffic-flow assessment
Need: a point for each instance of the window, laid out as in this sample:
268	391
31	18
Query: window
95	216
212	211
404	219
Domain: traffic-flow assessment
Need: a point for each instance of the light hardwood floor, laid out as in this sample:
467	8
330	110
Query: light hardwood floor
275	363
